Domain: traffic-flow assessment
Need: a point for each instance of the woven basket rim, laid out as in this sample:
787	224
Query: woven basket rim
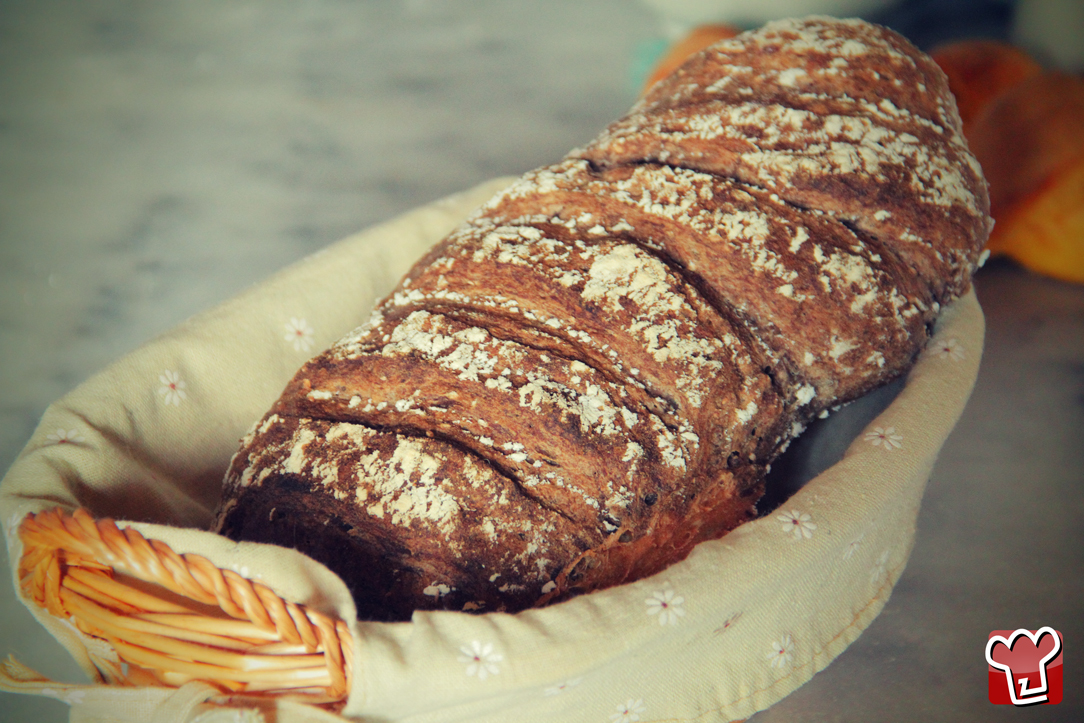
171	619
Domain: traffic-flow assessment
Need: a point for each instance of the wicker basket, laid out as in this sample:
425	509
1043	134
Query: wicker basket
172	619
750	617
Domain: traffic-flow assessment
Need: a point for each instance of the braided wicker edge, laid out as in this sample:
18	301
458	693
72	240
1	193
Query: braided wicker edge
239	636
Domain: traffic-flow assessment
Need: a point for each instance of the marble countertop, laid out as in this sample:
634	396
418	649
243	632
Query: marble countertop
157	158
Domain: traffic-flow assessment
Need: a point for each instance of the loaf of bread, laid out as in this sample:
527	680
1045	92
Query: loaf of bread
593	373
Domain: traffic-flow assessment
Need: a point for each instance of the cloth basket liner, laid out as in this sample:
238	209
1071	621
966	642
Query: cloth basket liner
735	627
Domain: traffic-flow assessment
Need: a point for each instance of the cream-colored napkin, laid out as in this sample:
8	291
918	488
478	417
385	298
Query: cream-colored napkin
735	627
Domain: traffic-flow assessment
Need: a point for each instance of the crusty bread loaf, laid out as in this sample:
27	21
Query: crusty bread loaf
592	374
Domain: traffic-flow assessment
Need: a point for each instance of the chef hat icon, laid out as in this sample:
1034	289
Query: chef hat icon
1022	655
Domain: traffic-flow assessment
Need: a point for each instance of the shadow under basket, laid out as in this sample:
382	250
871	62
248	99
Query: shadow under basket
173	619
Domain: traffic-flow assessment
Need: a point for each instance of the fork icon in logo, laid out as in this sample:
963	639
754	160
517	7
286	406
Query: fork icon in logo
1029	662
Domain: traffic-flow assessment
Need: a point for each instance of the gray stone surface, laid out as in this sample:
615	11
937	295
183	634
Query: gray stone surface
156	158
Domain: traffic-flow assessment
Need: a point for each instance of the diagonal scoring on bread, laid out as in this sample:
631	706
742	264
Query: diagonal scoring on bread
593	373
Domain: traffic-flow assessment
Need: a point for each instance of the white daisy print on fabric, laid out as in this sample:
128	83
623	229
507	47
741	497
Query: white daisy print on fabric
562	687
888	436
667	605
728	623
948	349
65	436
798	524
480	659
781	652
300	334
172	389
629	711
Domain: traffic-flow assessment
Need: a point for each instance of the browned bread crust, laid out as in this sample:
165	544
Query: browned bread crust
592	374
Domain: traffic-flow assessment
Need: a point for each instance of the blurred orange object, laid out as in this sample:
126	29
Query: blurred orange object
980	70
1030	142
1028	133
700	38
1045	233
